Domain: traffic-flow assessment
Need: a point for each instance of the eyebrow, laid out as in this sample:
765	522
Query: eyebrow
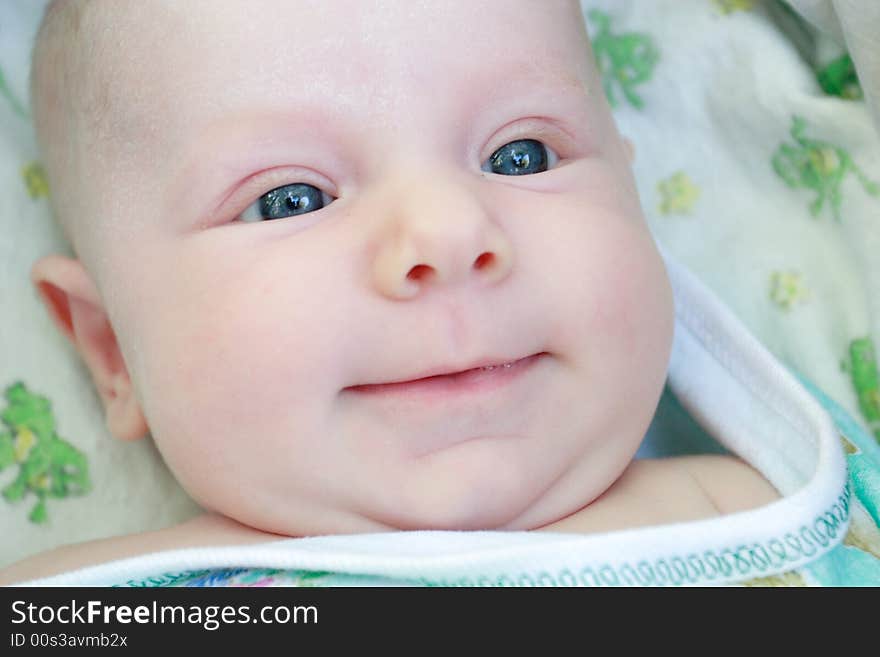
568	92
549	78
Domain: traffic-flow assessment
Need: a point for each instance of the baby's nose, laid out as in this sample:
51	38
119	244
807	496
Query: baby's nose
439	233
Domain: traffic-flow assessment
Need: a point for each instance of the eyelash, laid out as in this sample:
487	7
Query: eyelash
256	187
285	178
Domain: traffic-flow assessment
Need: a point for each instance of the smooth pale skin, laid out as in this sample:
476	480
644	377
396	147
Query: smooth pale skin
234	343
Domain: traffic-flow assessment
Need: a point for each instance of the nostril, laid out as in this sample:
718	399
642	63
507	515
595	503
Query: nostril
420	273
484	260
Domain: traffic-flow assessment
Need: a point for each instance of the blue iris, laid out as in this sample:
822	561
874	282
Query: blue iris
290	200
519	158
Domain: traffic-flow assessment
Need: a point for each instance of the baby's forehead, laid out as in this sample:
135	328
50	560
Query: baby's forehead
285	41
218	56
380	62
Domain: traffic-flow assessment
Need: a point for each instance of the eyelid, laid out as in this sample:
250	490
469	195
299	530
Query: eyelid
546	131
265	181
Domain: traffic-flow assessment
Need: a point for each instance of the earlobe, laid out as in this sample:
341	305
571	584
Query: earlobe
76	308
124	417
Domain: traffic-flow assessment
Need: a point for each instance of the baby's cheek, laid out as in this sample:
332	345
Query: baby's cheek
619	306
232	386
640	316
633	304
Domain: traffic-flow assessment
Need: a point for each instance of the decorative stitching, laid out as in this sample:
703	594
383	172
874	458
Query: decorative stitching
779	554
743	562
165	579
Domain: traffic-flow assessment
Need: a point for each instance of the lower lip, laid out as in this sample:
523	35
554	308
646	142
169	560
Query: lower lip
468	382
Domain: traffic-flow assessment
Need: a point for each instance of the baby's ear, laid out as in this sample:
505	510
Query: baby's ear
75	306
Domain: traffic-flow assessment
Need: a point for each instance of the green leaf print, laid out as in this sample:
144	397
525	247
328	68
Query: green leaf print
625	60
862	368
819	166
48	467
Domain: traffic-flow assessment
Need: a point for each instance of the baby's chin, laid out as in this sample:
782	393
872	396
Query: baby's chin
472	508
517	506
502	484
503	499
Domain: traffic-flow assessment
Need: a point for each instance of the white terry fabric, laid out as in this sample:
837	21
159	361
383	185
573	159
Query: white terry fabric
727	380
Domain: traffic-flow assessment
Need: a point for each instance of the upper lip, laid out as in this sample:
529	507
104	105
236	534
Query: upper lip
445	370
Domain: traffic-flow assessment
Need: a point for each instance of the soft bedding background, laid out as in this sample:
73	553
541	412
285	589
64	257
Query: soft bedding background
758	166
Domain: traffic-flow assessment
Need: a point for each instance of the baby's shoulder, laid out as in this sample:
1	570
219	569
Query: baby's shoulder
723	483
729	483
671	490
203	530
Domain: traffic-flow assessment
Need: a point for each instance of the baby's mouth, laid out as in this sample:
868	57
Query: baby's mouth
486	374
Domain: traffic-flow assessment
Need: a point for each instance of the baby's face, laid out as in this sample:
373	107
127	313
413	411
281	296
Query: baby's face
257	345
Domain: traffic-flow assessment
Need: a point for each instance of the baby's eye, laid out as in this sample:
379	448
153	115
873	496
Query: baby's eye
286	201
521	157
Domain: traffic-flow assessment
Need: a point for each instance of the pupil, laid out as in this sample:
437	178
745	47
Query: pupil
521	160
290	200
515	158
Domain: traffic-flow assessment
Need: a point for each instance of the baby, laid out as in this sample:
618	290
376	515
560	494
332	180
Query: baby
454	315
